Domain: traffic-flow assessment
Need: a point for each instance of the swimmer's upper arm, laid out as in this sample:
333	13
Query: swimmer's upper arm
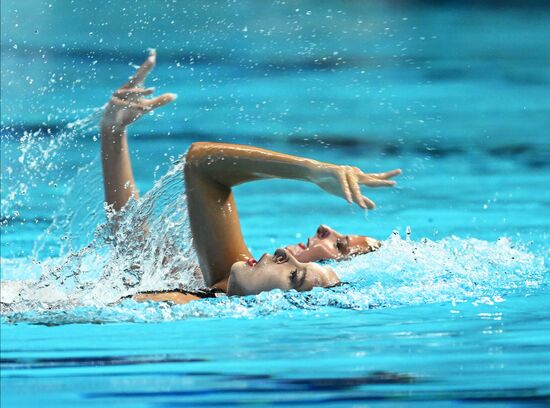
214	219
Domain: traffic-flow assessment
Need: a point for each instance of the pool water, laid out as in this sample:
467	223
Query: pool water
454	309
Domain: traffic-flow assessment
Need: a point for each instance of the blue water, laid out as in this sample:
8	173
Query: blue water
453	310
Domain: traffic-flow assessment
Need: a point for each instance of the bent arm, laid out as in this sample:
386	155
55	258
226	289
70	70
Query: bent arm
212	169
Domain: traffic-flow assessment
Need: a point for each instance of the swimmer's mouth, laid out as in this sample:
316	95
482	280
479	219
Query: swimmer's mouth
297	249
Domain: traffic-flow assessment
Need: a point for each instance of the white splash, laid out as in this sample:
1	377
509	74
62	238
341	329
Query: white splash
402	272
147	246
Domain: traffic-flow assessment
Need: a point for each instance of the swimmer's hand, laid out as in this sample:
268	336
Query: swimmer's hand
128	103
346	181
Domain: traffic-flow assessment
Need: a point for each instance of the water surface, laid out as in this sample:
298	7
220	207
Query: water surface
454	313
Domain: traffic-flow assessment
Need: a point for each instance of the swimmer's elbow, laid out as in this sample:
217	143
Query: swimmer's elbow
206	160
196	151
194	156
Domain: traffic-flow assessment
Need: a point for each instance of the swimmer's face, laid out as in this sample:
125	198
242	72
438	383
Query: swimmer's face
330	244
279	271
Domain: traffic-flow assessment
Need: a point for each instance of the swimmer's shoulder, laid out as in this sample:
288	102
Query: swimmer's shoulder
179	297
176	297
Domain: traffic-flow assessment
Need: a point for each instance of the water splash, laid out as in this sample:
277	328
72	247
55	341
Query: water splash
402	272
80	257
39	162
146	246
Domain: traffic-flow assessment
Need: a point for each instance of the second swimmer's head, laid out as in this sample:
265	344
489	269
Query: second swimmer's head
328	243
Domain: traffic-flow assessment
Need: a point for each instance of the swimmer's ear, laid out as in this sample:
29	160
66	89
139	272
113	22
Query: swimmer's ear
139	77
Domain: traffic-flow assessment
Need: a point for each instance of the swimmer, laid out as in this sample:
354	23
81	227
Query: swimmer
211	171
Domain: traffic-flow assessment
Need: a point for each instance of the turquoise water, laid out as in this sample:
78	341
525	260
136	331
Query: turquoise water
453	310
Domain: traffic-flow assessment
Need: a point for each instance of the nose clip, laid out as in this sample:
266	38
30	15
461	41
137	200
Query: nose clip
374	244
323	231
280	255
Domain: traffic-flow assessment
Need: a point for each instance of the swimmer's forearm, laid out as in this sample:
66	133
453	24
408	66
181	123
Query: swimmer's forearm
118	178
127	104
228	165
231	164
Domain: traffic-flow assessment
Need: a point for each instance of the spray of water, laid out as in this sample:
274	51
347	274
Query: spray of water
148	246
81	257
402	272
40	161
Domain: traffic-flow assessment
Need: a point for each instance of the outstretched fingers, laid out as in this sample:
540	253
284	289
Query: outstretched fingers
351	179
131	101
345	185
371	181
142	104
353	182
139	77
160	100
388	174
135	93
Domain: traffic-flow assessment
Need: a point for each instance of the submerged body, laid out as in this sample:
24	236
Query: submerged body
211	171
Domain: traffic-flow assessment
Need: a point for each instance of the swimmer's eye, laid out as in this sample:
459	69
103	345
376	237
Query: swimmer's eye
341	246
293	276
322	232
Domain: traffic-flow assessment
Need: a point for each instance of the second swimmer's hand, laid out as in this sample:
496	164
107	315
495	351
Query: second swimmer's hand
129	102
346	181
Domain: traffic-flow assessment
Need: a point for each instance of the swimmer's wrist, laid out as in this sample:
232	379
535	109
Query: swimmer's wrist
109	128
314	168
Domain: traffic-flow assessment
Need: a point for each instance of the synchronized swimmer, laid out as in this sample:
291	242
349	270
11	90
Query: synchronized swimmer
210	172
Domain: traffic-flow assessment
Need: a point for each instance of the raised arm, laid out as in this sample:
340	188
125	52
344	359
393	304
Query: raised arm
212	169
126	105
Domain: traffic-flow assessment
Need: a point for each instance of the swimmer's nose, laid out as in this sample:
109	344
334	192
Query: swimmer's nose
374	244
281	255
264	256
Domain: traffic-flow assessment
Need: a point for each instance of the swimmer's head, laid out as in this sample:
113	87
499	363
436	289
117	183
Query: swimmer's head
279	271
327	243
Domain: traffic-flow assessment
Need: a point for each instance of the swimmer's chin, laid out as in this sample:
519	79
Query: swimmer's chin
237	270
